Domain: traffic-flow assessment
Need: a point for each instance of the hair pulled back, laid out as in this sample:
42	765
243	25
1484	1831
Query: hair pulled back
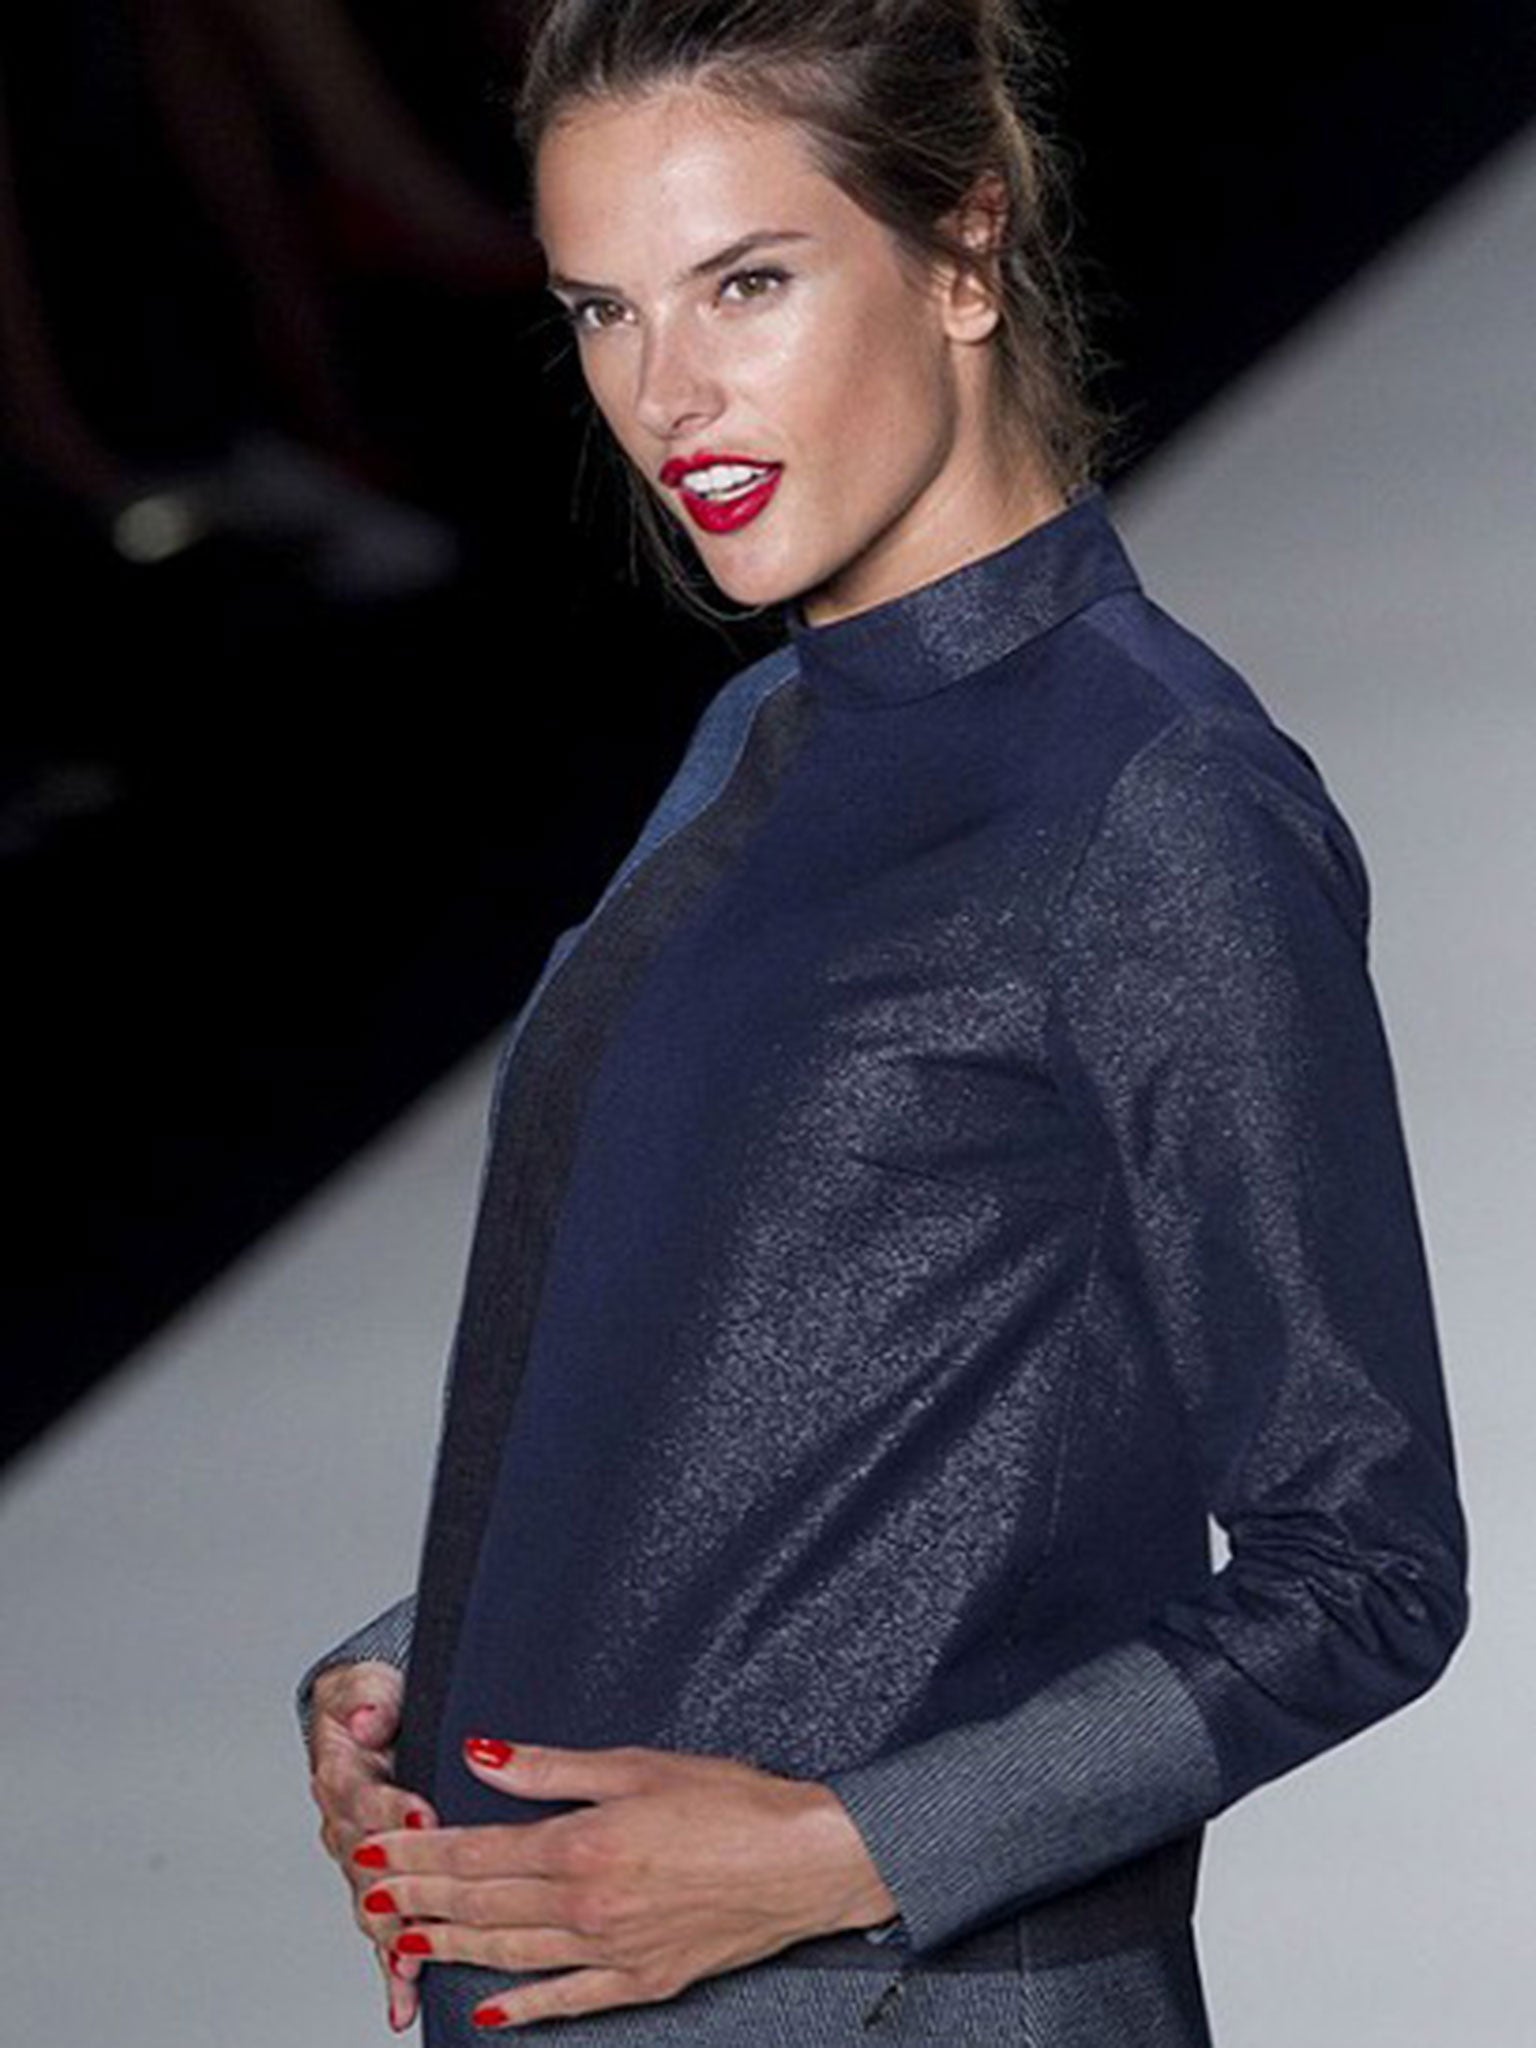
912	108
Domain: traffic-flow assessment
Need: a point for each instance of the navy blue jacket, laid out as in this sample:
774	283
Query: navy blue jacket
957	1158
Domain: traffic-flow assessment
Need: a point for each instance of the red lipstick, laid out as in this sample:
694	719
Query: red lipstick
738	499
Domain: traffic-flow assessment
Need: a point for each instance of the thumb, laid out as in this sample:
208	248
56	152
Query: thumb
372	1723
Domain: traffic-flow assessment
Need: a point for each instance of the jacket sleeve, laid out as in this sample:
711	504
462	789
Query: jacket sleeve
1213	1024
386	1638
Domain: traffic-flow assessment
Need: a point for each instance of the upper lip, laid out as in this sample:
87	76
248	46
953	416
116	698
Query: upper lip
682	466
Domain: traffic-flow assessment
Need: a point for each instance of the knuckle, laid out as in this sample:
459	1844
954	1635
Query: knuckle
591	1909
472	1855
585	1852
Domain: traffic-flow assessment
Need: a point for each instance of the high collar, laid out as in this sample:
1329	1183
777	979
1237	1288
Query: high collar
970	618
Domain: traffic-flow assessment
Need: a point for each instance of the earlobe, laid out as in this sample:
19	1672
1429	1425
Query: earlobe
973	314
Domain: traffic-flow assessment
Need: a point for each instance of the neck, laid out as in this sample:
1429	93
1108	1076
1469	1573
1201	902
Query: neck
977	516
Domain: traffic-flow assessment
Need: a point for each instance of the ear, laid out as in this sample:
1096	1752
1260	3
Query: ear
971	310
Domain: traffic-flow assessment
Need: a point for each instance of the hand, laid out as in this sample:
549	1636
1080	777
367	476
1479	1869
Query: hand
682	1866
356	1712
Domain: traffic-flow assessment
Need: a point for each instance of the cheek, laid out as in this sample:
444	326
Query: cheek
604	389
865	387
886	431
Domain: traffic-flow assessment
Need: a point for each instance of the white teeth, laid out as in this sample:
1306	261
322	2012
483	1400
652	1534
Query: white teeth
725	480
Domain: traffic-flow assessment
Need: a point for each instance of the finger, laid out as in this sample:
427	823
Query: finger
496	1948
509	1903
365	1881
379	1918
542	1771
401	1995
367	1808
488	1850
373	1724
348	1689
386	1809
347	1779
375	1922
578	1991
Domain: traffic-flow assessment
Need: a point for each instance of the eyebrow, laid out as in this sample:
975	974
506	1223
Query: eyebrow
721	260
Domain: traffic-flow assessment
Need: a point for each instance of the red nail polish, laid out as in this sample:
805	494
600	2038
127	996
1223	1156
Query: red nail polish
488	2016
413	1944
485	1749
370	1857
379	1900
415	1818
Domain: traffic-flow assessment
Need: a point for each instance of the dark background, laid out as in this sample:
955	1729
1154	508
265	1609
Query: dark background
271	859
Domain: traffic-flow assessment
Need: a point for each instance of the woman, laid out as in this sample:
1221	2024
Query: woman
957	1157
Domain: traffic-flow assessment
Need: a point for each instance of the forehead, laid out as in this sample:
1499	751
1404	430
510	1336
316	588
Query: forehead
677	167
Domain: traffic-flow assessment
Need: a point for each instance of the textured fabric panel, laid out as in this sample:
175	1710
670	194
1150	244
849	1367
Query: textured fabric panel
1110	1758
1212	1023
539	1116
387	1639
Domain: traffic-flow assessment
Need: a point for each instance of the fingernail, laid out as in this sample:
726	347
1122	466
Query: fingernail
370	1857
380	1900
413	1944
488	2016
415	1818
485	1749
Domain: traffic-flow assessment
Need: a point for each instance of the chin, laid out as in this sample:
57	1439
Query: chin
755	584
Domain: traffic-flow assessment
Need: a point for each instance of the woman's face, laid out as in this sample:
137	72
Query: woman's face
813	354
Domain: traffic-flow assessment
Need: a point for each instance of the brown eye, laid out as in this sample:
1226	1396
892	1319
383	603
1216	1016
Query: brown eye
576	315
770	276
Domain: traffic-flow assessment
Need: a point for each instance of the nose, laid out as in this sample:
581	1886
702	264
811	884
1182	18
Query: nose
677	388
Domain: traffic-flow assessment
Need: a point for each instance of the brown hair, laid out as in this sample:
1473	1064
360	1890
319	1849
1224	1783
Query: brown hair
908	106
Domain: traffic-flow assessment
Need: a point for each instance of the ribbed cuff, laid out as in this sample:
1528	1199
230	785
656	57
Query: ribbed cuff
1106	1761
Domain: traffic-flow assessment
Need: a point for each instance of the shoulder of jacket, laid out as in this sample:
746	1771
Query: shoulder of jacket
1228	780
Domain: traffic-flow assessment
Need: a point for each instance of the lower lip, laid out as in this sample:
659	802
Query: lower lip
727	516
